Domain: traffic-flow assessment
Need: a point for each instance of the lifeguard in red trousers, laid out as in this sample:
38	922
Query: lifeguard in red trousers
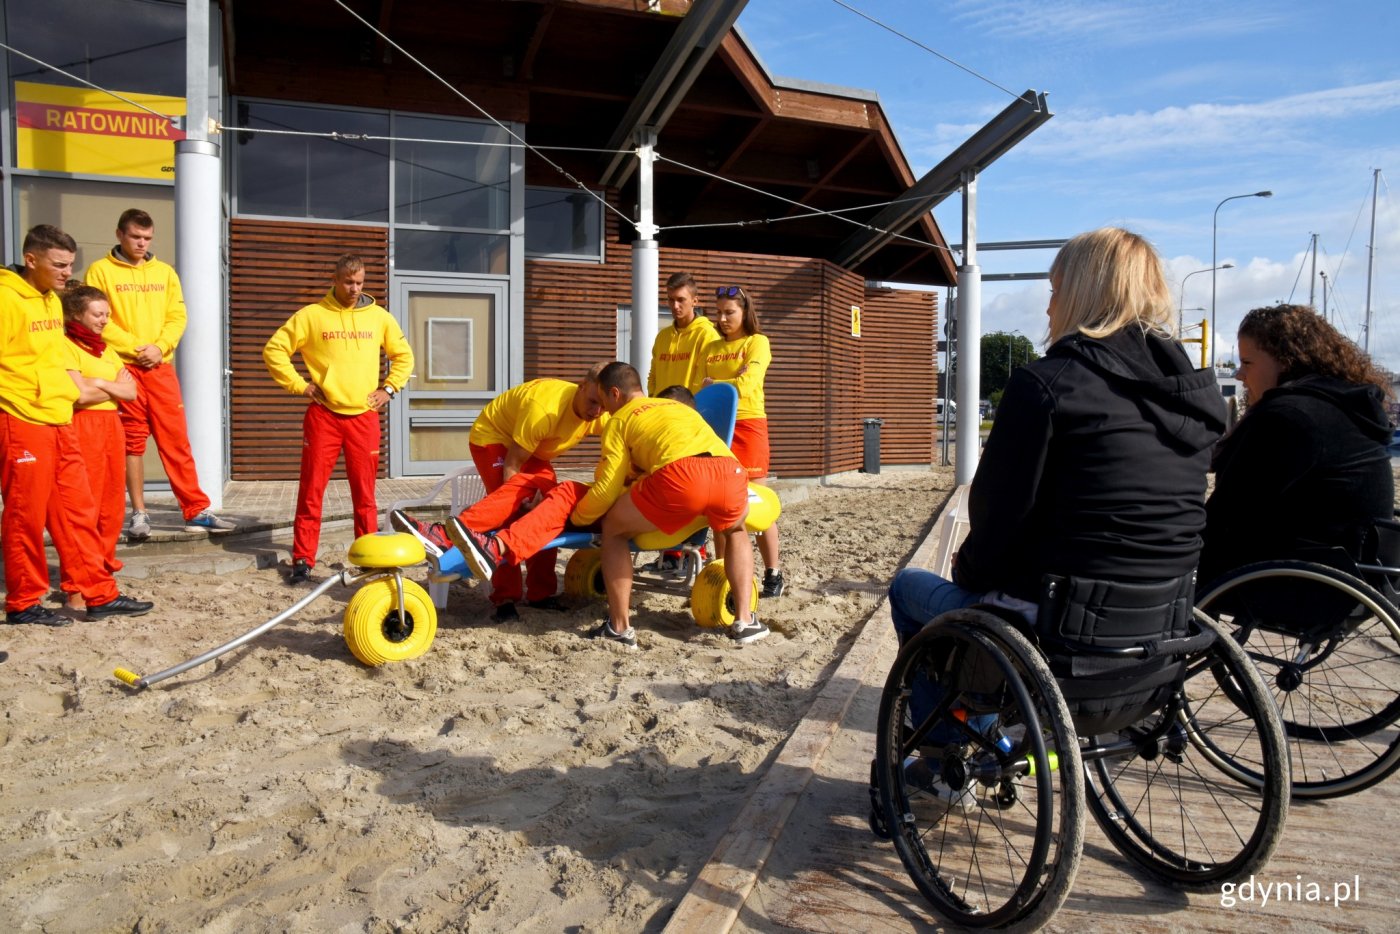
676	359
339	339
513	442
43	479
148	320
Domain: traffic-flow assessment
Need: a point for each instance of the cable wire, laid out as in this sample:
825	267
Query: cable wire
95	87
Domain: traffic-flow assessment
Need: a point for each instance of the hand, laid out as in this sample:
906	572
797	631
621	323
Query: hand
708	382
124	376
378	399
314	393
148	355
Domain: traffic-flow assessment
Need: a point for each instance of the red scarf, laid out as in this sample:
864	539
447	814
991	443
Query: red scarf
85	337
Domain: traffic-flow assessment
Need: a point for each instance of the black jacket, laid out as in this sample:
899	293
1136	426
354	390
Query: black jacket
1095	466
1307	465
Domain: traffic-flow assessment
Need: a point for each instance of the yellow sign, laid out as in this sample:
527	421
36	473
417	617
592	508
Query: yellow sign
855	321
88	132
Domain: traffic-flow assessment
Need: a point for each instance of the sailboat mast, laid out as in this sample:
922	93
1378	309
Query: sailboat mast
1312	278
1371	255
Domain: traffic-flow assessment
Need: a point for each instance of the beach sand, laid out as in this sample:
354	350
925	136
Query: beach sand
514	777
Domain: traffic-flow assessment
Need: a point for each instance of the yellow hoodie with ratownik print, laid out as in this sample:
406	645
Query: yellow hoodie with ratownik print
34	384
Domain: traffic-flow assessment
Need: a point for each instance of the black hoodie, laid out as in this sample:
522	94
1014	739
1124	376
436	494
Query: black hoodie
1095	466
1307	465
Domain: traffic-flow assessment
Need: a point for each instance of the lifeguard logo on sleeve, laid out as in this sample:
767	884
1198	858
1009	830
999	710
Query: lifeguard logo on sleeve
83	130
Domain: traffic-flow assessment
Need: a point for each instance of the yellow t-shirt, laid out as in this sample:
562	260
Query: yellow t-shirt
538	415
724	361
675	355
34	383
643	436
105	367
148	306
340	347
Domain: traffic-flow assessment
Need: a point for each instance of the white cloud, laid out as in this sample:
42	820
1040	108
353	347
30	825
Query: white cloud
1120	24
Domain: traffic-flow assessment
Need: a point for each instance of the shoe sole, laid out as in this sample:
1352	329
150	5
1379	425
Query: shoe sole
480	564
401	522
98	617
205	528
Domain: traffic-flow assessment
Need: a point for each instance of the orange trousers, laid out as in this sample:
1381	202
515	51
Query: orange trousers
44	482
324	435
103	443
159	410
494	512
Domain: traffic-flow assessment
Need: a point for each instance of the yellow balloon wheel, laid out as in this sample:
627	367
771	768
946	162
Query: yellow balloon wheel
375	633
711	602
583	575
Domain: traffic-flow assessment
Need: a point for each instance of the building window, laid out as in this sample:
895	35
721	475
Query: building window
131	45
563	223
312	177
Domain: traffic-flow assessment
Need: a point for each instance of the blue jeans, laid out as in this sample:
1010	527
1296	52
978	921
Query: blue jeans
916	598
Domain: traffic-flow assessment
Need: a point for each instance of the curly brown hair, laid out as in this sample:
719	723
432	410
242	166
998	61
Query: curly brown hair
1302	344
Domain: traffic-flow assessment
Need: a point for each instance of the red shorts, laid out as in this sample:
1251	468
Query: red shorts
750	445
714	487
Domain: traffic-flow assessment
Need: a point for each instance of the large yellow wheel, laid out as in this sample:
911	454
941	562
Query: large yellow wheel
583	575
373	630
711	603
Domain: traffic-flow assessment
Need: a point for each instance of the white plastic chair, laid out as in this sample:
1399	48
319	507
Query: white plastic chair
466	488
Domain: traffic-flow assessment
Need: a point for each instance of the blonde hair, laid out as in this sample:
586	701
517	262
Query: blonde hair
1105	280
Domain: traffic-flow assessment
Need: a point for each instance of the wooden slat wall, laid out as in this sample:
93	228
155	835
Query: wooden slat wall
897	333
277	267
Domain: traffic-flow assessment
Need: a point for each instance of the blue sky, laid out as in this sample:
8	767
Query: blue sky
1162	109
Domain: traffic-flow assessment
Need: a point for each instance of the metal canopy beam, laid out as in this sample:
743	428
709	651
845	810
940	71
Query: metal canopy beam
984	147
684	57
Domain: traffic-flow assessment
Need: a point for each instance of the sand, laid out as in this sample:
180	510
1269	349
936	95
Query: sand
514	777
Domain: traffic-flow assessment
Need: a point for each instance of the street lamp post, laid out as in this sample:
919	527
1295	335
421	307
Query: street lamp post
1181	305
1213	219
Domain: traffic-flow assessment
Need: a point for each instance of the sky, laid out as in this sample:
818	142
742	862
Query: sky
1162	109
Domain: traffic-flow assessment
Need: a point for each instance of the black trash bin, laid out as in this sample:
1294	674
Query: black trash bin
872	445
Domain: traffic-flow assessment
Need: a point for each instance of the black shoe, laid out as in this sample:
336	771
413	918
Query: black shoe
772	584
604	631
482	552
121	606
300	573
505	613
548	603
37	615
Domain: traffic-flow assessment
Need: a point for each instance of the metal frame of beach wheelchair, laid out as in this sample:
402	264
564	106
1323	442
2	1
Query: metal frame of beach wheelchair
1325	634
1168	733
694	575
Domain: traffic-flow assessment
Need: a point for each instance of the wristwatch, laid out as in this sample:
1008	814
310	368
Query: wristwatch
389	391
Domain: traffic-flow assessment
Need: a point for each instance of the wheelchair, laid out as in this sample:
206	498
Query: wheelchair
994	735
1324	632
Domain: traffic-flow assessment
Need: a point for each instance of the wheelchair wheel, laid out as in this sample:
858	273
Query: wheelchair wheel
1173	801
996	841
373	630
711	603
583	575
1328	645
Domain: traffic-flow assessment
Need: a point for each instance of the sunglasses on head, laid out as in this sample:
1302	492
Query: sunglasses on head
728	291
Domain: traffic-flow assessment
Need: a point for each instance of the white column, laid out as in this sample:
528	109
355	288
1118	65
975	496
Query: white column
969	340
201	359
646	258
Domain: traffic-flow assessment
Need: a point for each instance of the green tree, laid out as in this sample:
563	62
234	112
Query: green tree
1001	353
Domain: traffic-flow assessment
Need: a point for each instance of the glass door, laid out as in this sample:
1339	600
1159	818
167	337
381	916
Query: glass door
458	331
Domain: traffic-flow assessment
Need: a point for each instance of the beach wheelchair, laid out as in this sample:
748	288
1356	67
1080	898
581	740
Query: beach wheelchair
995	732
1324	631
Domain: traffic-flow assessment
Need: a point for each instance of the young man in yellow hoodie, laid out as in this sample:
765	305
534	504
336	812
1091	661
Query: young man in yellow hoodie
340	339
43	479
148	320
675	354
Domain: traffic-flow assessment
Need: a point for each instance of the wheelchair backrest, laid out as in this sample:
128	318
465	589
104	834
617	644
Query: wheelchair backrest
718	405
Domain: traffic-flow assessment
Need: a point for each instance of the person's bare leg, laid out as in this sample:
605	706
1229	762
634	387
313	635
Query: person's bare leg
623	522
738	569
136	482
768	547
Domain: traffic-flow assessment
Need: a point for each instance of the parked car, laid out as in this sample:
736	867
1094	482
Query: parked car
938	407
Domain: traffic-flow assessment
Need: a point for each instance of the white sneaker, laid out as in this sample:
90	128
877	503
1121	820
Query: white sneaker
206	521
140	527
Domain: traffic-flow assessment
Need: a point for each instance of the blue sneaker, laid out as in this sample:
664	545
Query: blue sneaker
206	521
